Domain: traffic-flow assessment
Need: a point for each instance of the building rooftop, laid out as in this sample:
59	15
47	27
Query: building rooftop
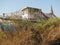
30	7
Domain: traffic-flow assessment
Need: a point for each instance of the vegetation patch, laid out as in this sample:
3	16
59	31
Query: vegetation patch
32	33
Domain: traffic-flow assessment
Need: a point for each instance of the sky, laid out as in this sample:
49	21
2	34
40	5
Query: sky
7	6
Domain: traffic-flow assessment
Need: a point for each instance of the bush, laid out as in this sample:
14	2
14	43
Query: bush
30	33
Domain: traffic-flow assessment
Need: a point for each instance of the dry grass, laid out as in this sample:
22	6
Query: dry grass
26	34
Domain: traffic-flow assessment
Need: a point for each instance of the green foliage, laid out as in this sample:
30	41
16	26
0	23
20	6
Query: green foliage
52	21
28	32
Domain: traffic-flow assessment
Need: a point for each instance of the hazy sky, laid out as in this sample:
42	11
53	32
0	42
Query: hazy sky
7	6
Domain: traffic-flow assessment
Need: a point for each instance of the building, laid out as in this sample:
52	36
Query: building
35	14
30	13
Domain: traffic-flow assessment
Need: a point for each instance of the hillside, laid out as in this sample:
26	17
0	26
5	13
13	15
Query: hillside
32	33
